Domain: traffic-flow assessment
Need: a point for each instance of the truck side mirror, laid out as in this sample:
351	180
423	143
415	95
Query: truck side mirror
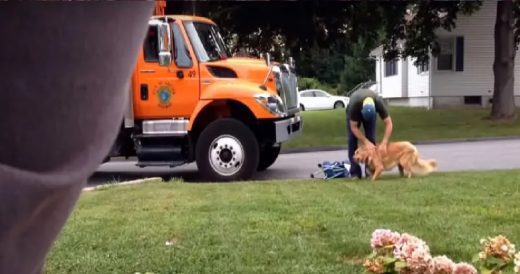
165	44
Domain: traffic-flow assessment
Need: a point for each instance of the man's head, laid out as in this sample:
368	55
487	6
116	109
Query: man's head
369	109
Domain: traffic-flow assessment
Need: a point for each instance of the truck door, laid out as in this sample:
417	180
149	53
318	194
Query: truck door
166	92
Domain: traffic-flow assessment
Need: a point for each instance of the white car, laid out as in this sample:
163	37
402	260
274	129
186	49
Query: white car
314	99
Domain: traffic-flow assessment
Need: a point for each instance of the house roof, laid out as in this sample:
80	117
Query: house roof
377	51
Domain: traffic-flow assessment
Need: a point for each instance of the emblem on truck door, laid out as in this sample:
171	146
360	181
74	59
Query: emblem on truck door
164	95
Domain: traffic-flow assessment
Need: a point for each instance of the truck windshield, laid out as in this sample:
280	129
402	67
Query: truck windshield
207	41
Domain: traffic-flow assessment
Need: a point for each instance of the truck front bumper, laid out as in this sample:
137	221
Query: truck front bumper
287	129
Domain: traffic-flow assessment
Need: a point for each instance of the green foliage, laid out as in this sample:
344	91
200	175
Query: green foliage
308	83
307	24
312	83
315	33
324	64
358	67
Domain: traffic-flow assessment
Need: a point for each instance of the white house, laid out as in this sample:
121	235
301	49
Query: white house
461	75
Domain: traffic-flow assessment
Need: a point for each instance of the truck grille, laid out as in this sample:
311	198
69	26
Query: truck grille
286	86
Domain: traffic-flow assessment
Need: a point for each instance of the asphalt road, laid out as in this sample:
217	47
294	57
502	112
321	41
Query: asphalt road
478	155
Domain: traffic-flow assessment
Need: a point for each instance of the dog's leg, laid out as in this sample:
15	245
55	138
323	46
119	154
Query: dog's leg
377	173
407	170
401	170
369	171
405	163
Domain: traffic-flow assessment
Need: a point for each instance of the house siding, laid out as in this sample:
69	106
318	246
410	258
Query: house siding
418	83
391	86
477	78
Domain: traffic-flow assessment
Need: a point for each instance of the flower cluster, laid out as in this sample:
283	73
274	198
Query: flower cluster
414	252
394	253
516	261
384	237
441	265
464	268
497	254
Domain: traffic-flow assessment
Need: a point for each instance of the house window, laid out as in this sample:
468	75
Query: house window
390	68
472	100
445	58
451	56
423	67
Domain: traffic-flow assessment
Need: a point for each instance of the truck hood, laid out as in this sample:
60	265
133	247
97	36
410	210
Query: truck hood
232	89
251	69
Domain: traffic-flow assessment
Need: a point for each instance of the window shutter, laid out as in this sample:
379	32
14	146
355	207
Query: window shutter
459	54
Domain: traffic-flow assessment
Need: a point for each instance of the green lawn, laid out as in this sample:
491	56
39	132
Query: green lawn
280	227
328	128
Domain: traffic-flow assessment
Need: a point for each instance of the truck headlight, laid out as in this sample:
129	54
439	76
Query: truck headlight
272	103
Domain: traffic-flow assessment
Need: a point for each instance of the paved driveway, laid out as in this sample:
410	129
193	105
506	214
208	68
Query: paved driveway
478	155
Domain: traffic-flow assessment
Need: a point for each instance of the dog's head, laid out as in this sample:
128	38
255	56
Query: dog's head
363	155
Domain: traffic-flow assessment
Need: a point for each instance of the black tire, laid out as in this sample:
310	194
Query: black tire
302	108
218	135
339	104
268	156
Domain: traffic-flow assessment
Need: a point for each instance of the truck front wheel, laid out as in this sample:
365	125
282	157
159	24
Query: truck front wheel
268	156
227	150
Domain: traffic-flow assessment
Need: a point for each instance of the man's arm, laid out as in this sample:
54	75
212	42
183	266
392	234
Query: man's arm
354	127
389	126
385	116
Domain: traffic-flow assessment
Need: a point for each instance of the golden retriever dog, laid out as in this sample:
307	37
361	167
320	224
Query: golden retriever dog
403	154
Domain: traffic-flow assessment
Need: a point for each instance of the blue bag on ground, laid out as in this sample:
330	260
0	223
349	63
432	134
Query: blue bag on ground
333	170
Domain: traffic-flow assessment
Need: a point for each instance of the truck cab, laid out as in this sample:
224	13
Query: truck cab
190	101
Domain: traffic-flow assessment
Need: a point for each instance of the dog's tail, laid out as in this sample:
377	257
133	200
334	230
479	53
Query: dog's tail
424	167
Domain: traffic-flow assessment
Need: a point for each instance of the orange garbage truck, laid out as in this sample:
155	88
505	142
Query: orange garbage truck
190	101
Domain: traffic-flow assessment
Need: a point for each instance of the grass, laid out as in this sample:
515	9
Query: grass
280	227
328	128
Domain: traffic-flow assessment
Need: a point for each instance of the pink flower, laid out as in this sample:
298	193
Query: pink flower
383	237
414	252
464	268
407	244
441	265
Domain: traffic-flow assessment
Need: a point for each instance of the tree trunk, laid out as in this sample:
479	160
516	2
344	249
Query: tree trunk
503	107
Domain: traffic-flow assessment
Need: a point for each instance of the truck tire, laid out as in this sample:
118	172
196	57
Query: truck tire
268	156
227	150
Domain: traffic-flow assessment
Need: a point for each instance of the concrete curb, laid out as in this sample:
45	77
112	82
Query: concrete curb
427	142
133	182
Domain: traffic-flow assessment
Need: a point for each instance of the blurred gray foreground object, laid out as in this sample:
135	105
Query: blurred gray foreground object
63	69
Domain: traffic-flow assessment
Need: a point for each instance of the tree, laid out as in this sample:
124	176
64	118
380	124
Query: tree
301	23
506	45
